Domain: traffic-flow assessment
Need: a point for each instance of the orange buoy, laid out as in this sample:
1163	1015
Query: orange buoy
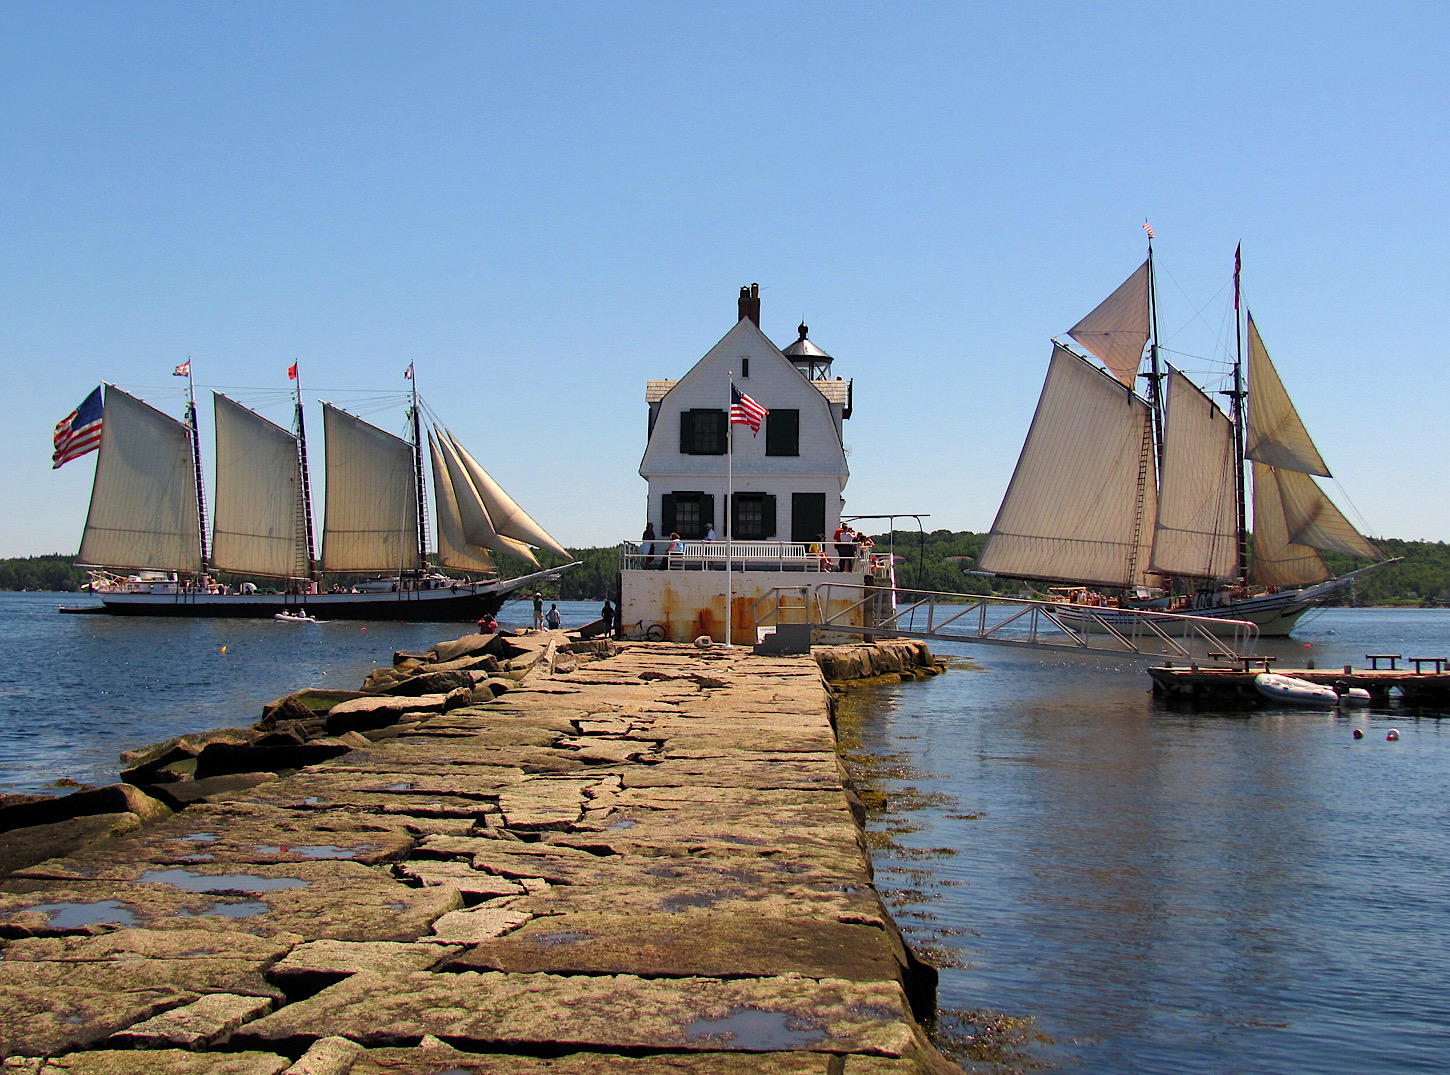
1358	734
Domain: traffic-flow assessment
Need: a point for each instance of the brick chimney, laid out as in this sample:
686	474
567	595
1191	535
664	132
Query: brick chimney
750	304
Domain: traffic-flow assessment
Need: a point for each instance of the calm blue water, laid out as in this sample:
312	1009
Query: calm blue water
78	690
1171	891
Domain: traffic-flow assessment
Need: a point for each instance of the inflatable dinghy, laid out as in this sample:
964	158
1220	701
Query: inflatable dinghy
296	617
1290	691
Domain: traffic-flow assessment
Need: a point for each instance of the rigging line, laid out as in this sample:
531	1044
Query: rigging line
1363	522
1197	310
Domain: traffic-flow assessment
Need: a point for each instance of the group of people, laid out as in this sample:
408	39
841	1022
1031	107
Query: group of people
849	545
675	547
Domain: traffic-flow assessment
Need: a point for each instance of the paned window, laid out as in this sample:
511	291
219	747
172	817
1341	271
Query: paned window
702	432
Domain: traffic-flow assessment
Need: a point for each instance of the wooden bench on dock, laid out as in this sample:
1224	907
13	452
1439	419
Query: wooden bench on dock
1438	662
1375	658
1248	662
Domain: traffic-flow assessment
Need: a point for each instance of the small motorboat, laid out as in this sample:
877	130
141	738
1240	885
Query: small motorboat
296	617
1291	691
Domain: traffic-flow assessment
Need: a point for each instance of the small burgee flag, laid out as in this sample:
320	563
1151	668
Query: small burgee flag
292	372
78	432
183	370
745	411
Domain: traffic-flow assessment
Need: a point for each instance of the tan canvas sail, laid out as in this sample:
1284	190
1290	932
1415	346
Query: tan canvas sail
258	526
472	515
1079	494
143	505
508	518
1117	330
1196	533
1312	519
453	548
1278	559
1275	434
371	521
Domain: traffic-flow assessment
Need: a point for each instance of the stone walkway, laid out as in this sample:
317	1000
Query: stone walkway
645	863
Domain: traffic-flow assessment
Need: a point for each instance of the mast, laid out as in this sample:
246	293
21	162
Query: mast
1240	483
196	460
306	478
418	474
1155	378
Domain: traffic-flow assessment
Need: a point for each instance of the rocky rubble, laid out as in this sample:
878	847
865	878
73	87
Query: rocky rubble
588	858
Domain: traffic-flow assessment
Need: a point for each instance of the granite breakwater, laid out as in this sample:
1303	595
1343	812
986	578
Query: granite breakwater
506	854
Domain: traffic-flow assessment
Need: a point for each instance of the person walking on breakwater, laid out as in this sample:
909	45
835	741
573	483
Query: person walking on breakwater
538	611
647	546
607	615
553	619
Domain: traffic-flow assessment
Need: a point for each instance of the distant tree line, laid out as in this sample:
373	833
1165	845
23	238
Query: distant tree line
942	560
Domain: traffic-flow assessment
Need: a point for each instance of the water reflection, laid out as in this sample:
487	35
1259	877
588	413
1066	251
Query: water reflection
1169	890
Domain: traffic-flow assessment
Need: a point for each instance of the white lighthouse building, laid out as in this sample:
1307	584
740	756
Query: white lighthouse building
772	500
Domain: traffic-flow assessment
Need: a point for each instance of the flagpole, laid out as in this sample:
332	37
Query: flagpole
729	503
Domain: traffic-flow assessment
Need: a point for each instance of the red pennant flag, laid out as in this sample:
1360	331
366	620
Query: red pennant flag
292	372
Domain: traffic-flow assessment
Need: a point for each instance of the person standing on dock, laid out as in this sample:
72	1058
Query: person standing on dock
538	611
553	619
606	614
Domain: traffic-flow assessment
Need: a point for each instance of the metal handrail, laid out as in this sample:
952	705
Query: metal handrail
1077	628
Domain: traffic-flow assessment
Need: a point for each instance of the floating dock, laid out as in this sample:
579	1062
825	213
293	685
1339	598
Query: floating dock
1427	684
634	860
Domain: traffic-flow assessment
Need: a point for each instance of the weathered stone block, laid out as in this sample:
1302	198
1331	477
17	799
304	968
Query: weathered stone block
204	1022
113	799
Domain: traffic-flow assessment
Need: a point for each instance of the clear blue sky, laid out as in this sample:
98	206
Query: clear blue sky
543	205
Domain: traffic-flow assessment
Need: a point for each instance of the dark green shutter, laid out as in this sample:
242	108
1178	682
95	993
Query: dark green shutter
807	516
783	432
687	433
767	515
667	514
707	512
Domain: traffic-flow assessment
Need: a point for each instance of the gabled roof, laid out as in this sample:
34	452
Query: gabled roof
834	391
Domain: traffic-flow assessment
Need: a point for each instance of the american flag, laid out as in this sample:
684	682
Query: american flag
408	373
183	370
78	432
745	411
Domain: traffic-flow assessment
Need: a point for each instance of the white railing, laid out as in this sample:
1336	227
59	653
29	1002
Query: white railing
713	556
1050	625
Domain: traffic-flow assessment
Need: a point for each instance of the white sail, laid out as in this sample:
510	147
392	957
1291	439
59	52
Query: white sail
508	518
1312	519
1196	532
1278	559
1275	434
472	515
453	548
371	521
1080	493
1117	330
143	505
259	526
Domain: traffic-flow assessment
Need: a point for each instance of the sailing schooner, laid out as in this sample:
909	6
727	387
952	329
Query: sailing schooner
147	517
1120	491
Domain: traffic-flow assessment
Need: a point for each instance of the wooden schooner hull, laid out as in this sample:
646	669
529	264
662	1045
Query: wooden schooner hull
463	603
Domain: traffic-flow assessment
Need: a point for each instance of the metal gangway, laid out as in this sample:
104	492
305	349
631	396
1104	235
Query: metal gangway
883	611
